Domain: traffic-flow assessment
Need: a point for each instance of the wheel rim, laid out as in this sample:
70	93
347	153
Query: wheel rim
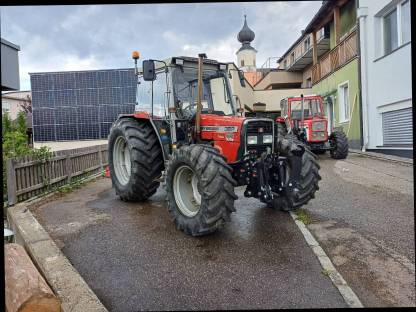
121	160
185	189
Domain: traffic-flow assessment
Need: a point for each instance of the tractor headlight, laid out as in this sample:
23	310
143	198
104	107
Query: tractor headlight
267	138
318	126
252	139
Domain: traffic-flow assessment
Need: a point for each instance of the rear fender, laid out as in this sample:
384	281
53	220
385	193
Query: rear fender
144	117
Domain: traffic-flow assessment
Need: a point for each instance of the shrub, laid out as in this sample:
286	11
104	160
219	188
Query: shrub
14	143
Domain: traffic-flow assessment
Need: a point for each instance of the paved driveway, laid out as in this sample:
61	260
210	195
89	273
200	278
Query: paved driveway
363	216
133	258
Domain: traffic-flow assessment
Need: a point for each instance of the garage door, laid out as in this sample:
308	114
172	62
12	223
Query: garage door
397	127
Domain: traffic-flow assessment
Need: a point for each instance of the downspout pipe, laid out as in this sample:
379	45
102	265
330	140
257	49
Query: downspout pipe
363	75
359	80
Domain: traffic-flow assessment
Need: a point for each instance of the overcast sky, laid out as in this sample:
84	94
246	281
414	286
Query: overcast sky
81	37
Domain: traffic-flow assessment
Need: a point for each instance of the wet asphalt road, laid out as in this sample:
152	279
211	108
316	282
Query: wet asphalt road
133	258
363	217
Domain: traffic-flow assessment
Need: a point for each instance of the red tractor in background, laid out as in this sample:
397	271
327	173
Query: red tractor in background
303	117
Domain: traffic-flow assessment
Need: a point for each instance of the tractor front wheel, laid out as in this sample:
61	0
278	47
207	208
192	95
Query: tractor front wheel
339	145
200	189
309	177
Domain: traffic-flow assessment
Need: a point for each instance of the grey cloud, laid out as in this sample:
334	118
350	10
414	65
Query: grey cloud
105	35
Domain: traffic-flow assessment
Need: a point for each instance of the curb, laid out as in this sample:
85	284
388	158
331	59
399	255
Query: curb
346	292
74	293
380	156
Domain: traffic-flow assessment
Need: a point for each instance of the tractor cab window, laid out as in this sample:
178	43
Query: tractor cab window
311	108
160	95
216	97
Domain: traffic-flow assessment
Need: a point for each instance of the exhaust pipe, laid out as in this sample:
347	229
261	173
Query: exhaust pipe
201	57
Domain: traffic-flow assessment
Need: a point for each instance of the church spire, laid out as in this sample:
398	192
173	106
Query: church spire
246	35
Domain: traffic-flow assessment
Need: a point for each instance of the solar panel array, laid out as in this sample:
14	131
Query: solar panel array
80	105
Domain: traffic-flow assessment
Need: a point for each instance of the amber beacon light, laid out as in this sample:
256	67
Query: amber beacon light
135	55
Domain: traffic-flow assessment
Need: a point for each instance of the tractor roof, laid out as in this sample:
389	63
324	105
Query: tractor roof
298	96
187	59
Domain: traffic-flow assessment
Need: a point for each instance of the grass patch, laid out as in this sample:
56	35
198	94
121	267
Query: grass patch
326	272
303	216
70	187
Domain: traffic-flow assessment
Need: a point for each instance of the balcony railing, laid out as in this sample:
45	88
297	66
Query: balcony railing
335	58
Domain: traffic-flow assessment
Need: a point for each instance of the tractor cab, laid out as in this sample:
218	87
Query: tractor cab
305	116
169	88
312	107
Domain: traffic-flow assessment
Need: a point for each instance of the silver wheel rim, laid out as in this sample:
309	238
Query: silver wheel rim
121	160
185	190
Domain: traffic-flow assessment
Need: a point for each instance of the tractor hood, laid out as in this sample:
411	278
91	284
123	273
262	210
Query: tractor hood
225	131
218	120
217	127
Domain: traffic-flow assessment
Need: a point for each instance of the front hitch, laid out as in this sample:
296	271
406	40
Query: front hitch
295	161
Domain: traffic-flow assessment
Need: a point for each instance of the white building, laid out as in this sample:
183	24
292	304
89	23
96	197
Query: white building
13	102
386	75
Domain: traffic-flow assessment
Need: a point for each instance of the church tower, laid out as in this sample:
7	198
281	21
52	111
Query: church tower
246	55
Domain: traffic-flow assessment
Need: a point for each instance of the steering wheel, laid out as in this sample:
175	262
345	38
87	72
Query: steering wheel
186	112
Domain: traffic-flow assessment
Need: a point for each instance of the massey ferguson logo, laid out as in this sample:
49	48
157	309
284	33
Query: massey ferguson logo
261	130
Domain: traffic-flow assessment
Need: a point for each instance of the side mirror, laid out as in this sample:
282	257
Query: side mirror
149	73
242	80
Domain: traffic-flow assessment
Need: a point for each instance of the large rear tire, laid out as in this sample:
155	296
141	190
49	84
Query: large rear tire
339	141
135	159
200	189
309	177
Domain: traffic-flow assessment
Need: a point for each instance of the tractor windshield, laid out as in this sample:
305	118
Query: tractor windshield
311	108
216	95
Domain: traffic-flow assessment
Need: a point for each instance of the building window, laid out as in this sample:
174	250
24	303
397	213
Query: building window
285	64
242	62
390	32
309	82
292	57
5	107
320	33
405	21
344	102
396	27
307	44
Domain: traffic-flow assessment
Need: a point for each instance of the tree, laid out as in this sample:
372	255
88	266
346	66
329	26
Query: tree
26	104
21	123
6	125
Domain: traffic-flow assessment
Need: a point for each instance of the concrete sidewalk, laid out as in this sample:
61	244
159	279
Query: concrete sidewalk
381	156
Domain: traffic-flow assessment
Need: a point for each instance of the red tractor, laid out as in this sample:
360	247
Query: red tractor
303	117
188	132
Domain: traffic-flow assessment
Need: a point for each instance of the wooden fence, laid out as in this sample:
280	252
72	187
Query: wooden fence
28	177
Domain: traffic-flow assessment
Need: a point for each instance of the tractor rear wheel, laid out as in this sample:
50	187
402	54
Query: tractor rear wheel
309	178
135	159
200	189
339	144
